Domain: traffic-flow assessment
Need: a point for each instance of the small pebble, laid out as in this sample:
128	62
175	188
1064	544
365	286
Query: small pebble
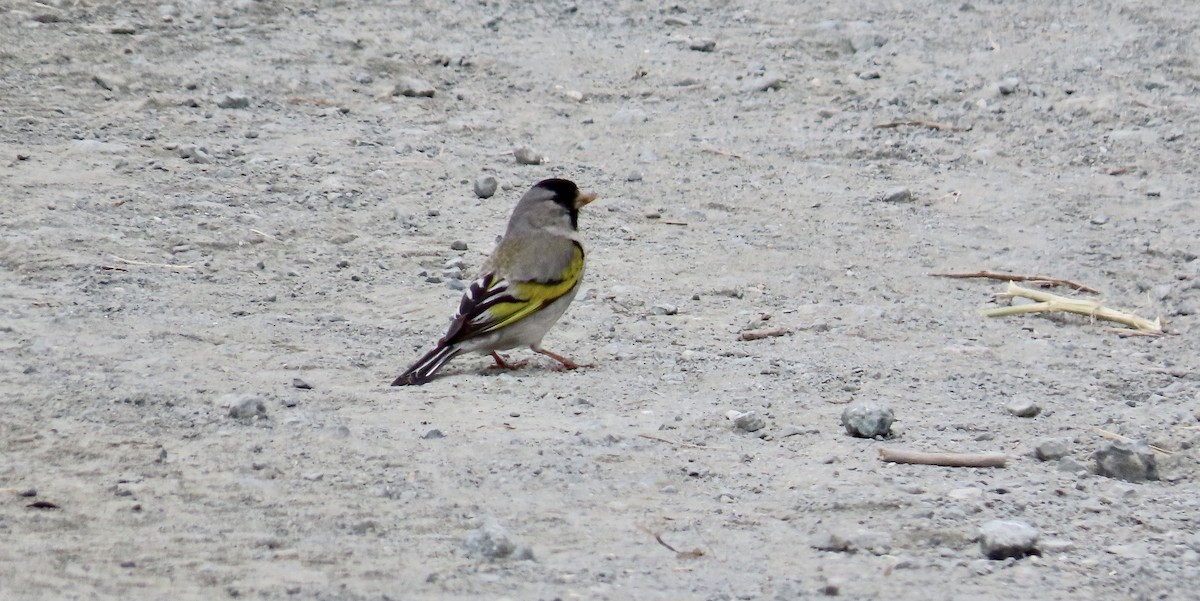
455	284
1024	408
664	309
1129	461
412	87
364	78
1071	465
247	406
28	492
493	542
301	384
485	187
234	100
634	176
768	81
1052	449
628	116
433	434
702	45
1008	86
867	420
749	421
870	74
1100	219
527	156
458	245
896	195
1004	539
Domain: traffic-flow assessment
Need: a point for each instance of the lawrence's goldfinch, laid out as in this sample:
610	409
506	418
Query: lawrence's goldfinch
525	286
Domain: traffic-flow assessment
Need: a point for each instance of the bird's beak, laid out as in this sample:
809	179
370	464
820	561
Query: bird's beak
583	199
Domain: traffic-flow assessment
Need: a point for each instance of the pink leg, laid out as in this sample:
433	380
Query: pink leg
502	363
566	363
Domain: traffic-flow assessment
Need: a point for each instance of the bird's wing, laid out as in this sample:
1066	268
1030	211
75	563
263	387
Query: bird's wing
493	302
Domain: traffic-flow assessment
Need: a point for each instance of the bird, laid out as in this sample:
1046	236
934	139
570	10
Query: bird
523	288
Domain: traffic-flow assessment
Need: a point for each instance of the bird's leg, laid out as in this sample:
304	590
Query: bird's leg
566	363
502	363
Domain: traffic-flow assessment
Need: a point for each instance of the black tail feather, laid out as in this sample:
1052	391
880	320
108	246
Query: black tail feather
423	370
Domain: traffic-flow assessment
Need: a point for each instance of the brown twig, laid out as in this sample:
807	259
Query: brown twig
1040	280
944	459
693	554
762	333
920	123
678	444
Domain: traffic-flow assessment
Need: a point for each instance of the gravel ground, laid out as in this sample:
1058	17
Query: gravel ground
227	225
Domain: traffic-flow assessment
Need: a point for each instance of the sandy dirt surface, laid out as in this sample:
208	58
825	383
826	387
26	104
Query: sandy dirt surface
202	202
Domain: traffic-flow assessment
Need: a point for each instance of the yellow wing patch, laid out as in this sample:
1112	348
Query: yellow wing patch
533	295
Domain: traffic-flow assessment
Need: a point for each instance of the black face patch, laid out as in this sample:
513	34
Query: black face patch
565	192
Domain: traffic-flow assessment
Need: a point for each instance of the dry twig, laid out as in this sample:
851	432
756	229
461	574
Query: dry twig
1039	280
718	151
1047	302
920	123
678	444
761	333
944	459
1118	437
164	265
693	554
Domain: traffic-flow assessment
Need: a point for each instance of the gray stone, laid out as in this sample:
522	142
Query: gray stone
628	116
1052	449
412	87
1072	465
1008	86
527	156
245	406
1130	461
1004	539
433	434
301	384
485	187
234	100
702	45
749	421
867	420
767	81
664	309
492	542
830	541
896	195
1023	408
195	154
458	245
